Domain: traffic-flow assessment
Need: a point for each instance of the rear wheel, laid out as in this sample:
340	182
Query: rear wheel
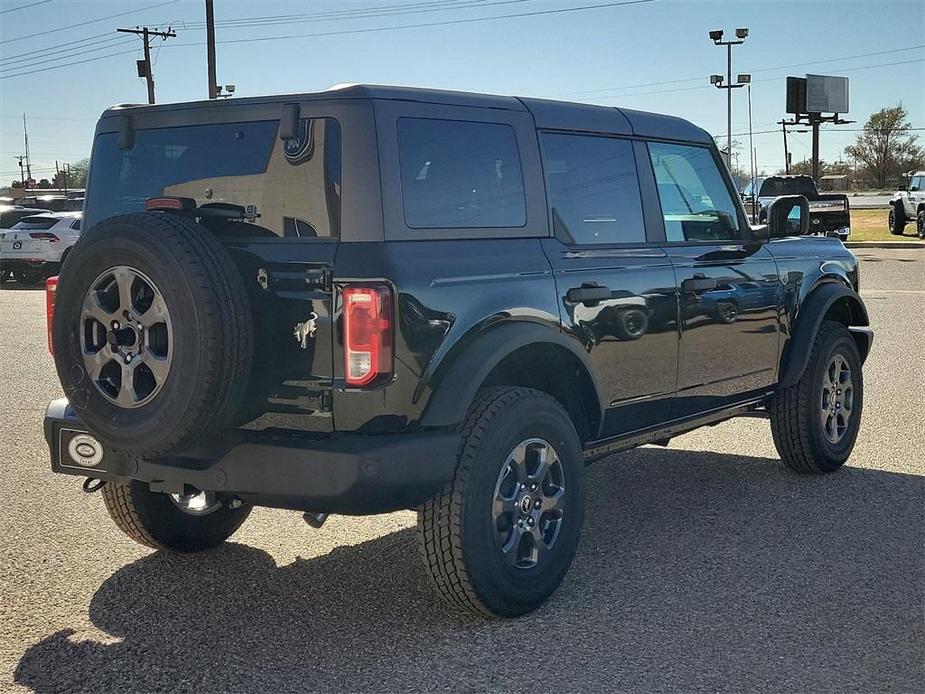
896	221
188	522
815	422
501	537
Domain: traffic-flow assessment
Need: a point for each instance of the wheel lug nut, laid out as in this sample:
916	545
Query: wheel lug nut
128	358
116	325
532	487
530	522
537	503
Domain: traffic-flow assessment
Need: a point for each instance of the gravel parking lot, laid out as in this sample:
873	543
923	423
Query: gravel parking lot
704	567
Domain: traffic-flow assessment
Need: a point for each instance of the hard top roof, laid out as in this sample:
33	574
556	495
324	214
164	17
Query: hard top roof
562	115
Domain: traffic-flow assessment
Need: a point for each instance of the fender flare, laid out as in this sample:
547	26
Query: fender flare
456	383
813	310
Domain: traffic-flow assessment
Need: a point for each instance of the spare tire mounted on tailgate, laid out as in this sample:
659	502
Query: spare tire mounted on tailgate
153	338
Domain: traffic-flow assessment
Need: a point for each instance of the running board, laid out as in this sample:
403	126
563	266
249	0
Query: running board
596	450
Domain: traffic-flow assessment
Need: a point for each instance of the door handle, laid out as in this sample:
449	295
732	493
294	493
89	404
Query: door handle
698	284
588	294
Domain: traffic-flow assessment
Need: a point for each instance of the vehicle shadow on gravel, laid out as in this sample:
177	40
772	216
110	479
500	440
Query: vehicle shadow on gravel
698	571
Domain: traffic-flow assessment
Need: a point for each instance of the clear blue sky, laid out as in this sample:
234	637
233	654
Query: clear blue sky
651	55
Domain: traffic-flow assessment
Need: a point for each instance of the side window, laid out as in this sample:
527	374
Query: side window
696	203
592	189
460	174
917	183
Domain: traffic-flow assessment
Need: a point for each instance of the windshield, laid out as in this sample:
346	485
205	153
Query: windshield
283	187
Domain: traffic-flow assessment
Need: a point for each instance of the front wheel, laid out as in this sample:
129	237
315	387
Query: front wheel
920	224
189	522
815	421
896	221
500	538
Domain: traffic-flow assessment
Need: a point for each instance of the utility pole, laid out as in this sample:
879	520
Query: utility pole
144	66
22	177
717	81
25	135
210	49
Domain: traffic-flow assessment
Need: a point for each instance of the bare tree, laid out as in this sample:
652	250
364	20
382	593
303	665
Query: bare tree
886	148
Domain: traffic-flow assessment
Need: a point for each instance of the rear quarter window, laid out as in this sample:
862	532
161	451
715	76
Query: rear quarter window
460	174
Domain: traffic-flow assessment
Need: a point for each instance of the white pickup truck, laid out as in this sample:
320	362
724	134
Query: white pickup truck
909	205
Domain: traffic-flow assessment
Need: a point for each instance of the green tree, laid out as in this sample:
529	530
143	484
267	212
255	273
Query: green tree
78	173
886	148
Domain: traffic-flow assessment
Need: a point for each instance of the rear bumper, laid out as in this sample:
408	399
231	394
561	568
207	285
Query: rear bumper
14	263
830	224
347	473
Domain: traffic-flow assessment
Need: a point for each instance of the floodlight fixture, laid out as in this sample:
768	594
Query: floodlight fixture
742	32
744	79
716	35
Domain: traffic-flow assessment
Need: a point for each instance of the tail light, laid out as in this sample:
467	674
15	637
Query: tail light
51	290
367	335
43	236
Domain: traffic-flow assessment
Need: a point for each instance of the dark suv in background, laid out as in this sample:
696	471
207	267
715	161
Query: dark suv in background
378	298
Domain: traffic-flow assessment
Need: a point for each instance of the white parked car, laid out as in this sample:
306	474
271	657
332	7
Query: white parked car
35	247
909	206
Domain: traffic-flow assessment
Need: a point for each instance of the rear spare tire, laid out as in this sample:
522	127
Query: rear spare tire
152	333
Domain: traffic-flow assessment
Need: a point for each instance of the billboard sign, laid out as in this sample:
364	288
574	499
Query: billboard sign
796	95
826	94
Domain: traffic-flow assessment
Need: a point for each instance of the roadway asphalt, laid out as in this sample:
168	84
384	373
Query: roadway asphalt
869	201
704	567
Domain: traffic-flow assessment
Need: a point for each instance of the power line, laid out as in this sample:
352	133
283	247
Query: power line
90	21
764	69
469	20
353	13
33	55
29	6
32	63
385	11
357	31
107	38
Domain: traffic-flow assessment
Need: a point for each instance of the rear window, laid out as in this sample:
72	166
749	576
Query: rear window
36	223
283	187
774	187
460	175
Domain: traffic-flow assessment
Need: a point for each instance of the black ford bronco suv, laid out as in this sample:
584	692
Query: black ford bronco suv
376	298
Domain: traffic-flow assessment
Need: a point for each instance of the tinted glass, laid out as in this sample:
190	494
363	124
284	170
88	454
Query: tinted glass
280	187
917	183
773	187
696	203
36	223
460	174
592	189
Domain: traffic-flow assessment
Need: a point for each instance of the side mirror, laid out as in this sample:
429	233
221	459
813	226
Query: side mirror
788	215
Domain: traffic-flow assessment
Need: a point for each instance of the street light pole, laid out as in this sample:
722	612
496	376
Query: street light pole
717	81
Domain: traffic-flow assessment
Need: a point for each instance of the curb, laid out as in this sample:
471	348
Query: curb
885	244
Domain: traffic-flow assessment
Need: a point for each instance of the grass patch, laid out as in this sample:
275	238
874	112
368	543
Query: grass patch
870	225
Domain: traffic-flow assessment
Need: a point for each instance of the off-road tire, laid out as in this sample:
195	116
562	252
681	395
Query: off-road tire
212	339
625	330
896	221
152	519
456	537
920	224
795	422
